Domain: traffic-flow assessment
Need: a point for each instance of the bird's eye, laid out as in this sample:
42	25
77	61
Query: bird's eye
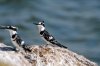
42	21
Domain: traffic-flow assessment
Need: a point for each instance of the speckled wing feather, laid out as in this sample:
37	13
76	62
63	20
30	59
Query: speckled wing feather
18	40
50	38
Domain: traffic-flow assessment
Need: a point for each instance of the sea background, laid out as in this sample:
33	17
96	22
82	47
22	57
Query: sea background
74	23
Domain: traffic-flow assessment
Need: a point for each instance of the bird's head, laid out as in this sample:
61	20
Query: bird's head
9	28
40	25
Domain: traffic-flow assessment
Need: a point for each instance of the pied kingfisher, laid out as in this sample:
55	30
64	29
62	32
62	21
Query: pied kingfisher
46	36
15	38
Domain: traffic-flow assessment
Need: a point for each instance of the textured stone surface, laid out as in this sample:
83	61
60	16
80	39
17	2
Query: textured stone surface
43	56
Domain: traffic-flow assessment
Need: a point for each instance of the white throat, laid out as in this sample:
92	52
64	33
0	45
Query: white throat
41	28
12	32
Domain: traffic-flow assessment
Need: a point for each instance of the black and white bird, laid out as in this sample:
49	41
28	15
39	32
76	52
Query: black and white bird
46	36
15	38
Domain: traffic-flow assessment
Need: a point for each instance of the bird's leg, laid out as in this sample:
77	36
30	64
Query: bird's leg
49	44
46	45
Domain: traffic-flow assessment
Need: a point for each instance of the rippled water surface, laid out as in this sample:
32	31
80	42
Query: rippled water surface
74	23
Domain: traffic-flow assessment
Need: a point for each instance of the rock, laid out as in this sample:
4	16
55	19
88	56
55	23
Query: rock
8	57
42	56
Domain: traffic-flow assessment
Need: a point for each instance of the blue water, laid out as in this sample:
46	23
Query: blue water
74	23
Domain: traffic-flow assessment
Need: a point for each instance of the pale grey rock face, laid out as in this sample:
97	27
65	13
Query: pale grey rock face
43	56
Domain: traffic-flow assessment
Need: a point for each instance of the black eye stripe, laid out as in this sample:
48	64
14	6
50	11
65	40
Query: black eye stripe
12	28
42	24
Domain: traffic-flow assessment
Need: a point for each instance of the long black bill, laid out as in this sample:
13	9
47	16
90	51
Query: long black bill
3	27
35	23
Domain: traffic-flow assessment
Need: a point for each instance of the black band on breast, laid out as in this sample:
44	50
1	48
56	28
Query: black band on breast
13	36
41	33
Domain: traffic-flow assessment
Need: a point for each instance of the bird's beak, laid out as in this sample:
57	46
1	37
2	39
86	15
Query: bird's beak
35	23
3	27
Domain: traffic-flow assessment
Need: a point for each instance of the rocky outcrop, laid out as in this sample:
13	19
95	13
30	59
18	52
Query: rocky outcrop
42	56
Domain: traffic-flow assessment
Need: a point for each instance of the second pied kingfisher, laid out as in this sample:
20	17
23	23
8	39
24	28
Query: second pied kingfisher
15	38
46	35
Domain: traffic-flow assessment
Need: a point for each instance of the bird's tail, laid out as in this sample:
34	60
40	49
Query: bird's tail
26	48
58	44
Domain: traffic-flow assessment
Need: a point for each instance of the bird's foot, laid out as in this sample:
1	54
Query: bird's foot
50	45
27	48
46	45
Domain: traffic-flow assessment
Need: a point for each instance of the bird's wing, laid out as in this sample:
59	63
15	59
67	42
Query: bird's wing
48	36
51	39
19	40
